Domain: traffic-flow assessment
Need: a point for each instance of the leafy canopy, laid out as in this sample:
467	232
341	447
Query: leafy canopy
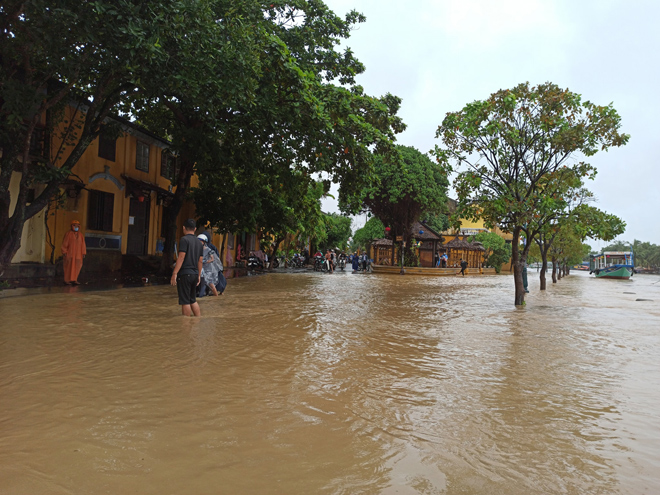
405	186
373	229
498	251
338	228
513	153
507	150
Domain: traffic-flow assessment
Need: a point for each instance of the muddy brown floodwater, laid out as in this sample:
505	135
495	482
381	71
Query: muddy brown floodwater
303	383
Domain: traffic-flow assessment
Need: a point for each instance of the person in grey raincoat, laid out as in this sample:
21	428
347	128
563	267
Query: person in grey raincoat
210	265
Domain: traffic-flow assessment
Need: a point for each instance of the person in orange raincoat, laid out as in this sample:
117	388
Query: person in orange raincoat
73	252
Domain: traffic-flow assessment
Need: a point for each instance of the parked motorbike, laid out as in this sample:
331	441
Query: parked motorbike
280	262
254	263
297	261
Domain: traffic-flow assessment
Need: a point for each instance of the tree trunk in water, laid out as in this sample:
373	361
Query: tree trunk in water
544	268
554	270
559	272
518	264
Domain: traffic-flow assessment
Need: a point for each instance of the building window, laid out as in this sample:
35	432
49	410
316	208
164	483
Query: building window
142	157
250	241
163	222
169	165
107	147
100	208
37	142
230	240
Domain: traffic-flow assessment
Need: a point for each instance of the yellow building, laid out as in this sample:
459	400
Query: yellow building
118	190
469	228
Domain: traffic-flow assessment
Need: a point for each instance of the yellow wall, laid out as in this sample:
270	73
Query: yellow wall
91	169
33	238
100	174
478	224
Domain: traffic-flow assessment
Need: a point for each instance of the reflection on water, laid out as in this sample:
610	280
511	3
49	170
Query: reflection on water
308	383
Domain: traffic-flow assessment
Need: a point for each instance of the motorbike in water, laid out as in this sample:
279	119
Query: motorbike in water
341	264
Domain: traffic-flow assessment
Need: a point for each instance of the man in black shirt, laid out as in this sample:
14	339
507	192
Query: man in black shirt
186	274
464	265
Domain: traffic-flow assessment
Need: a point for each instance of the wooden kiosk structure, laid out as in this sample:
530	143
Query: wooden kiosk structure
459	249
430	242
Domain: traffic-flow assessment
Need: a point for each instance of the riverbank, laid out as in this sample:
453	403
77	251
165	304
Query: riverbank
431	272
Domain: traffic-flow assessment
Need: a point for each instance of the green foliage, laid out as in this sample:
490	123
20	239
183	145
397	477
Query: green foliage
498	251
568	248
513	155
592	222
242	89
373	229
269	125
277	205
338	228
437	221
406	185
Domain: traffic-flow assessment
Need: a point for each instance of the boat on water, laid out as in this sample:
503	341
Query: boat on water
582	267
613	264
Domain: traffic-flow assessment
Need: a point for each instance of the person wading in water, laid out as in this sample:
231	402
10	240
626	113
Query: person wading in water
186	274
464	265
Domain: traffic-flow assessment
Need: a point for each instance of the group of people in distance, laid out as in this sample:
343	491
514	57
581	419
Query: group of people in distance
359	261
330	259
443	262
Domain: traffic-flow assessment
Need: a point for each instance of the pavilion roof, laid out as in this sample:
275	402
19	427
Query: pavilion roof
428	235
458	243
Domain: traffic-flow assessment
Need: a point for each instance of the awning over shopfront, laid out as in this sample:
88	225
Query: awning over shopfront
141	188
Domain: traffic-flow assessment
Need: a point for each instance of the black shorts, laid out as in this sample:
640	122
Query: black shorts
186	286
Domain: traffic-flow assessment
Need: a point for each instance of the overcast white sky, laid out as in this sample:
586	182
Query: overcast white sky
439	55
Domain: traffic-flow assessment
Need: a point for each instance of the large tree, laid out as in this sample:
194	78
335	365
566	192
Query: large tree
406	185
507	148
304	114
52	53
212	69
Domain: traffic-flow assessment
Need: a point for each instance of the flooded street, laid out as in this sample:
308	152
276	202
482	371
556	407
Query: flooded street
304	383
